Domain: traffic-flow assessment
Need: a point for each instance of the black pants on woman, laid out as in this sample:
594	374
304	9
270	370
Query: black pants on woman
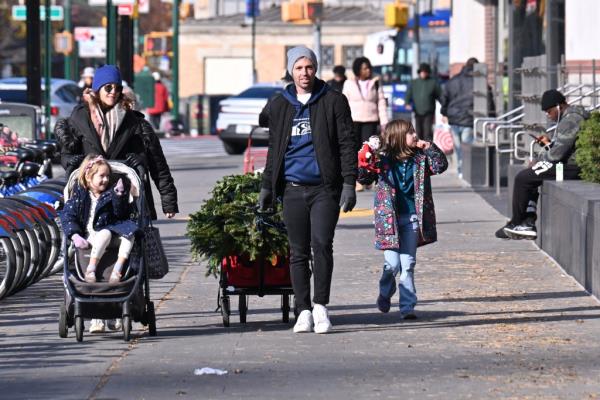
527	182
424	126
364	130
310	214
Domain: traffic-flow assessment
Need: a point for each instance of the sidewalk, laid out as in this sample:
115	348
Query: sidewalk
497	319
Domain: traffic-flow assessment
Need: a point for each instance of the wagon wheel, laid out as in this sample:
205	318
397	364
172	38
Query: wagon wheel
285	308
79	328
243	307
225	310
63	328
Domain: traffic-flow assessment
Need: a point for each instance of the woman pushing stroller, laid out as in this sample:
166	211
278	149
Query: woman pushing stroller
97	214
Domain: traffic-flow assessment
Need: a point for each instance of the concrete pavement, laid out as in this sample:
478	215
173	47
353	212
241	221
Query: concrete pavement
497	319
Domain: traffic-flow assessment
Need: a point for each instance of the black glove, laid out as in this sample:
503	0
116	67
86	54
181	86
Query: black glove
264	199
134	160
348	199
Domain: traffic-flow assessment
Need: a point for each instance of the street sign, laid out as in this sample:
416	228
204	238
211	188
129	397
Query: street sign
125	9
19	13
92	41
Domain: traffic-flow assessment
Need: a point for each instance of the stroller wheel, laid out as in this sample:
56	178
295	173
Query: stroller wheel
79	328
225	310
126	328
285	308
63	328
151	317
243	307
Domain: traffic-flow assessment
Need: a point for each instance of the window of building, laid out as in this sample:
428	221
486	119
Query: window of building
327	58
350	53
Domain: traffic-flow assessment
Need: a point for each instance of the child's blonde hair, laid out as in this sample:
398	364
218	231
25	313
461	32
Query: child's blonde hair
393	140
89	167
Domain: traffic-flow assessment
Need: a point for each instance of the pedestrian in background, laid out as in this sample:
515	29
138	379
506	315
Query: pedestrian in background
161	101
339	77
421	96
367	103
457	108
403	209
87	77
311	163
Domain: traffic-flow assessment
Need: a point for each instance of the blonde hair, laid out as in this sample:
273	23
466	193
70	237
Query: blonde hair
393	140
90	165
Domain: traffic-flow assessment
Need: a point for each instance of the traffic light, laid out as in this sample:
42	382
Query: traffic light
302	11
396	15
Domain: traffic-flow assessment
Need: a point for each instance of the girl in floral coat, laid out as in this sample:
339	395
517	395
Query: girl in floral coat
403	211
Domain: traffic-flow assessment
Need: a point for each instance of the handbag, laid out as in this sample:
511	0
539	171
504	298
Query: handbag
442	137
156	260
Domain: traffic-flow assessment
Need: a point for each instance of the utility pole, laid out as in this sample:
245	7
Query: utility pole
68	28
111	33
48	65
175	86
416	40
252	11
34	89
126	49
317	43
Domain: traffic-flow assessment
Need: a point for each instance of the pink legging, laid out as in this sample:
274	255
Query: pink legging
101	239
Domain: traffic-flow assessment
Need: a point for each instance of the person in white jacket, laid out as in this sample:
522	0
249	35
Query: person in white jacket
367	103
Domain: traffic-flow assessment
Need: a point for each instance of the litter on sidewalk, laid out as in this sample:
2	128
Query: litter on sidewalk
209	371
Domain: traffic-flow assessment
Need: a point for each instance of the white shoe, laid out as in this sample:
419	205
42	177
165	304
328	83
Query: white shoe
304	323
321	318
97	326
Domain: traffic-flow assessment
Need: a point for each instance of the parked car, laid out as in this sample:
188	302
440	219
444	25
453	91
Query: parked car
238	117
64	95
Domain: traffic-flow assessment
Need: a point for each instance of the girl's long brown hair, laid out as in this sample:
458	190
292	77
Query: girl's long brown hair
393	140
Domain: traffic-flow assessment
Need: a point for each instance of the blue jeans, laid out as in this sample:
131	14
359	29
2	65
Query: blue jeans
461	134
402	260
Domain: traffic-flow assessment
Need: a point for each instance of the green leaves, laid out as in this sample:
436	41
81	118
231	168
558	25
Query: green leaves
588	149
226	224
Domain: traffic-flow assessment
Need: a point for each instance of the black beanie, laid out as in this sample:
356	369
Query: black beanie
552	98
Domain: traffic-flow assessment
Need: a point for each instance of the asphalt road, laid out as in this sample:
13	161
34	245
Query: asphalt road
497	320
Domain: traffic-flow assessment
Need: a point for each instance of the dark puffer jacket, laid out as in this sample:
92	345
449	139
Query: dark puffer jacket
457	98
78	137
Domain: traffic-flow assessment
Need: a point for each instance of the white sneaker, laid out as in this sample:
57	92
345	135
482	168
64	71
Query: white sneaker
304	323
321	318
97	326
114	324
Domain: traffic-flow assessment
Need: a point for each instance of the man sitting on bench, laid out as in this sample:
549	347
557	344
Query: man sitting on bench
559	148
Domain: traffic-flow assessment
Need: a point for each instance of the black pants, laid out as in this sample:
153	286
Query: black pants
364	130
310	214
424	126
526	185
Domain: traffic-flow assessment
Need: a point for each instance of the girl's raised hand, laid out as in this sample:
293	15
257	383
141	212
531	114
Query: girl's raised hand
423	144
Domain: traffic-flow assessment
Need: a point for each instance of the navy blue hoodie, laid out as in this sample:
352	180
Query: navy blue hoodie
300	162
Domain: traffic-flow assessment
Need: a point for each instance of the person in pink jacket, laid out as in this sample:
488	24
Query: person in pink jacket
367	103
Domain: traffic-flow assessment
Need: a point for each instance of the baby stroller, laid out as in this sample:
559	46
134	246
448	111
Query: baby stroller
130	298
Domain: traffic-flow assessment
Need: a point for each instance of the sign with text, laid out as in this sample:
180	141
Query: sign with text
19	13
92	41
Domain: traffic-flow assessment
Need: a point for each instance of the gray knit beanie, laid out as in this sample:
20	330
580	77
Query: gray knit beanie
296	53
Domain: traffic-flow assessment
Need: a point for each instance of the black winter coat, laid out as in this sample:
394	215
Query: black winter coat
77	137
334	143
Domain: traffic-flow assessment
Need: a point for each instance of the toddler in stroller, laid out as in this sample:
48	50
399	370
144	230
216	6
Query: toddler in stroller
103	212
108	281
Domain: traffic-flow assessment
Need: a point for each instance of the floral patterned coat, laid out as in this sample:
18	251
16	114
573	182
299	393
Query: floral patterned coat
428	162
112	213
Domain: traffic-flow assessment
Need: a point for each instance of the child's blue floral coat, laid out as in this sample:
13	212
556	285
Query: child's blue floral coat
112	212
429	162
